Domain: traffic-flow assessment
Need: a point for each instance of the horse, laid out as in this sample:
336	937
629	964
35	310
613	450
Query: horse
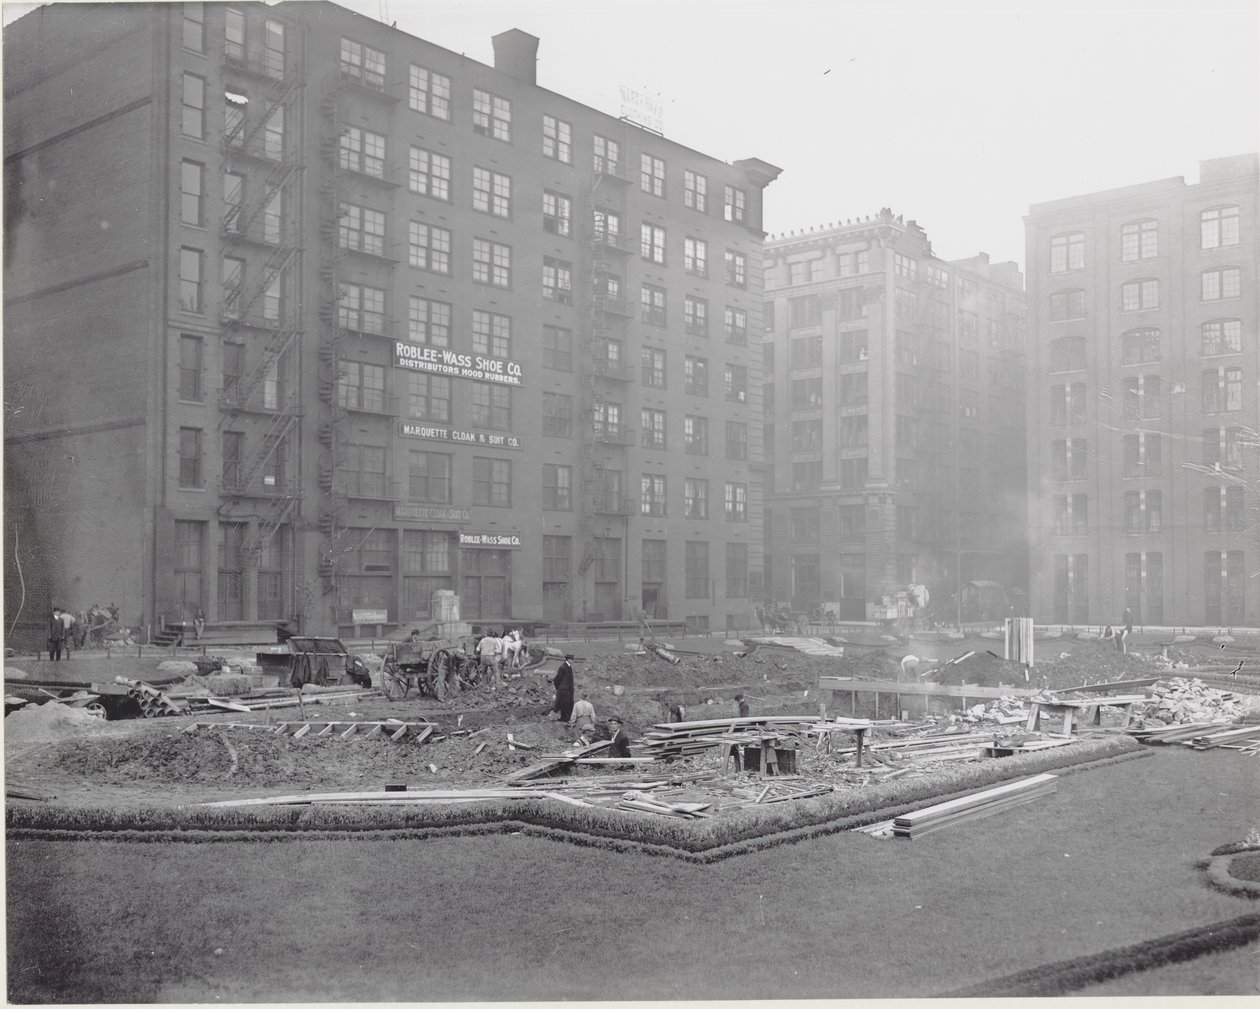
512	647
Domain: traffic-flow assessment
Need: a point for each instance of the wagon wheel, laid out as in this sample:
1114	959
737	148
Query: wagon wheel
96	709
394	682
442	669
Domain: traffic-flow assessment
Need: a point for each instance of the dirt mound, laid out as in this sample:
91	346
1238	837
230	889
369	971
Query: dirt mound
35	723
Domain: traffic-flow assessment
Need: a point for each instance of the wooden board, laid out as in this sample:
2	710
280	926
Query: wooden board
846	684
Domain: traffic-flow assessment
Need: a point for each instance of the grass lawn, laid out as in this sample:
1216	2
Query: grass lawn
1107	862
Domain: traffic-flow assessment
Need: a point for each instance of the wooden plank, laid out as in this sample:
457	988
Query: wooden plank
425	733
217	702
377	730
302	731
328	729
848	684
349	731
979	798
399	733
1101	688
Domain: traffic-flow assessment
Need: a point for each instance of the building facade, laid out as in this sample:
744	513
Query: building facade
307	318
894	397
1143	415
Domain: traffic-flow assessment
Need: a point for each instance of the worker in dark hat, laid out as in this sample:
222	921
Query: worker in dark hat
563	682
620	741
742	701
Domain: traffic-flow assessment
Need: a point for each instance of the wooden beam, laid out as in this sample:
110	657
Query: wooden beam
855	686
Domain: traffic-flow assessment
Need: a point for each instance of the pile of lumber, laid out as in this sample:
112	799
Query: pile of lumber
549	765
155	702
1176	733
679	810
1243	737
975	806
393	729
684	739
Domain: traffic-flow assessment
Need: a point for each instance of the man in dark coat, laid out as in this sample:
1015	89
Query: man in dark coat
620	745
56	635
563	682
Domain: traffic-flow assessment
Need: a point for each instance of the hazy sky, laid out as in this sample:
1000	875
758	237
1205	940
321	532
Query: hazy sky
958	116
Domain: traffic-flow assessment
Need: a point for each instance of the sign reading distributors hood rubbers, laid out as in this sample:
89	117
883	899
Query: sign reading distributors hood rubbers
440	361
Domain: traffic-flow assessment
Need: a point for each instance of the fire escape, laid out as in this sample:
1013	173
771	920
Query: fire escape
337	323
602	366
261	403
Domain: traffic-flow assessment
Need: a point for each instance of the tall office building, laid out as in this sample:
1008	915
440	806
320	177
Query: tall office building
307	318
1143	415
894	401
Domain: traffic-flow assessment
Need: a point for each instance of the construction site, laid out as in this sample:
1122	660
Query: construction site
734	746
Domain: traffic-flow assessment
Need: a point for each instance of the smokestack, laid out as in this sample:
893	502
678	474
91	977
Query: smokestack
516	54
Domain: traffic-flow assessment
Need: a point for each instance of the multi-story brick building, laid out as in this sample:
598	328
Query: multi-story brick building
894	399
1143	415
307	318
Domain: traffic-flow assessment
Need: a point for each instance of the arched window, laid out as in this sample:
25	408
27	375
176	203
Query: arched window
1139	240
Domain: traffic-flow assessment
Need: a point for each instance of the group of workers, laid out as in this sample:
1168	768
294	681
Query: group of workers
579	714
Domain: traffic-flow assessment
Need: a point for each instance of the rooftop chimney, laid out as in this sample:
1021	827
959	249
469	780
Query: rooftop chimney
516	54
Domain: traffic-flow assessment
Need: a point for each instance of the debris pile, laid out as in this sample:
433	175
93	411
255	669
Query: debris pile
47	722
1180	700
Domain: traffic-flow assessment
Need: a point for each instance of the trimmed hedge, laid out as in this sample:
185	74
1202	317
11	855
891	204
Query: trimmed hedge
1072	975
743	831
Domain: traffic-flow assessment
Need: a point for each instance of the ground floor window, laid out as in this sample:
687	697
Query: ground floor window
271	562
485	588
557	568
190	551
232	571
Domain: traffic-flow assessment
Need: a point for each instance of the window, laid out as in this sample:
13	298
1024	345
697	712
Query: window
733	201
607	156
735	382
1222	447
806	393
736	570
652	304
695	191
606	420
1068	458
491	406
361	308
607	227
807	476
1139	346
557	281
736	504
735	323
190	457
363	64
1067	403
1071	514
557	420
1143	454
652	243
1067	252
191	282
852	347
273	135
1222	390
492	116
805	352
904	266
429	477
234	35
696	435
362	151
429	92
1139	294
557	213
1143	511
492	333
1218	227
696	316
429	174
193	36
492	482
736	268
193	121
557	139
557	487
1066	354
427	567
361	469
360	386
192	179
695	498
429	321
492	263
696	256
273	217
1139	240
363	230
492	192
428	397
1221	336
557	348
652	175
654	554
652	425
273	50
1220	284
190	368
696	375
233	444
969	325
807	434
1066	305
273	299
854	431
1223	509
1142	397
696	570
652	494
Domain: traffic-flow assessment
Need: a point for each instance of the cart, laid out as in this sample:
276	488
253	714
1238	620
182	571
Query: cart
439	673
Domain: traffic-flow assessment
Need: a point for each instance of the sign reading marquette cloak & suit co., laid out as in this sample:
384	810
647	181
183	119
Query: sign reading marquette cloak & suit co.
438	432
439	361
509	540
